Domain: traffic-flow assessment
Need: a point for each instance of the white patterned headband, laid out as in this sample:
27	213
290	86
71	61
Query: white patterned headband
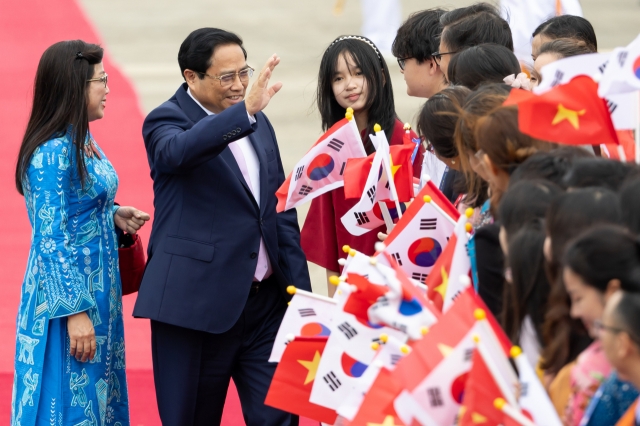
362	39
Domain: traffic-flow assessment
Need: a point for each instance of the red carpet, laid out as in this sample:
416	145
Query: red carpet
26	30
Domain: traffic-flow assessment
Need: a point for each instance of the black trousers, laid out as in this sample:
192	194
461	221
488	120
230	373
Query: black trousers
192	368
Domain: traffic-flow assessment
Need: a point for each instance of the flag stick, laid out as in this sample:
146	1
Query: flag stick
385	166
442	212
386	216
493	368
638	127
294	290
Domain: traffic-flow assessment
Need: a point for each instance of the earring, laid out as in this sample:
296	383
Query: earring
453	161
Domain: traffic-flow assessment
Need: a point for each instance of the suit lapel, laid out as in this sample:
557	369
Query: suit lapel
262	159
227	157
196	113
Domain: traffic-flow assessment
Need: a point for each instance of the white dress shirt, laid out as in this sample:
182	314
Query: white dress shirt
253	168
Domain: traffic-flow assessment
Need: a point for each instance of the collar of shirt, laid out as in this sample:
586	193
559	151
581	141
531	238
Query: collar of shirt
249	153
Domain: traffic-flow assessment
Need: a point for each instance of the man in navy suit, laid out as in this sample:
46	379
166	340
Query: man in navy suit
220	258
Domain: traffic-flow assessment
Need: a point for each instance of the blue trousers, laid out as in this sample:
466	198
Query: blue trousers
192	368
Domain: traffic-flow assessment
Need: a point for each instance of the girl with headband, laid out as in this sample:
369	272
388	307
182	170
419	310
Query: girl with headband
353	74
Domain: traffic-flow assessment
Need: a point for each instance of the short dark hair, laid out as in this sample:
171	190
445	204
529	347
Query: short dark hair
197	49
600	172
628	314
438	117
551	166
419	35
526	202
485	63
380	104
568	26
566	47
630	204
477	24
603	253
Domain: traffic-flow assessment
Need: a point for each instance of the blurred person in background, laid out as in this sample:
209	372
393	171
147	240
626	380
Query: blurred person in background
619	332
599	262
470	26
565	338
353	73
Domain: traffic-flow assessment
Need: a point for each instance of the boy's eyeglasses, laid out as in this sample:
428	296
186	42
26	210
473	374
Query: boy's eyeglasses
102	79
401	62
227	80
437	56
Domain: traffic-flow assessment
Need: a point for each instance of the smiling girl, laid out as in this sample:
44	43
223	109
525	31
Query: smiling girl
353	74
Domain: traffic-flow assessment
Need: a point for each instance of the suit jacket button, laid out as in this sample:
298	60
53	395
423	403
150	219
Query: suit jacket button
238	129
224	138
254	255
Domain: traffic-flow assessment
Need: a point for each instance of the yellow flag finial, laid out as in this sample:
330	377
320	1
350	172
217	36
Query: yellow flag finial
349	114
515	351
377	128
427	199
291	289
346	248
479	314
334	280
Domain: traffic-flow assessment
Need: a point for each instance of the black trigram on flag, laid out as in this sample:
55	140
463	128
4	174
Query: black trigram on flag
419	277
307	312
524	388
332	380
426	224
396	256
435	397
336	144
395	358
361	218
342	168
371	193
456	295
348	330
612	106
468	354
557	78
299	171
305	190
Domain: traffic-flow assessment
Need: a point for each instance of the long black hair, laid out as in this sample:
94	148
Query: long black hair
59	101
604	253
529	289
366	56
482	64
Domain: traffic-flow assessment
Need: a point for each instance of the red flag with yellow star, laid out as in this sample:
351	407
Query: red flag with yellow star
357	170
571	114
292	382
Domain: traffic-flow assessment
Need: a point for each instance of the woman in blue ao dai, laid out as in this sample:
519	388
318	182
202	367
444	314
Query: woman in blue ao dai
70	360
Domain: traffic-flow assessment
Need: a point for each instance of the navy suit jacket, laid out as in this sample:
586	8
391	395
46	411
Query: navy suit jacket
207	225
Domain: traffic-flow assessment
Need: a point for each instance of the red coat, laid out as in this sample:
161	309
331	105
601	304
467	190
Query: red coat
323	235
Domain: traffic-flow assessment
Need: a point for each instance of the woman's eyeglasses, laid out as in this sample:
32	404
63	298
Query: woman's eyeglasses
227	80
102	79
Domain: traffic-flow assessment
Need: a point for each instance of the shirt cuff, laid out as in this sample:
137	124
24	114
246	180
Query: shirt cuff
252	119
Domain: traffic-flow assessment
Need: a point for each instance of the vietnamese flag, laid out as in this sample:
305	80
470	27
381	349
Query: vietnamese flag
480	392
357	170
292	382
571	114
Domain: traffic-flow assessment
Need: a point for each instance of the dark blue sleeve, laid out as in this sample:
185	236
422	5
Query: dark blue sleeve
294	262
174	146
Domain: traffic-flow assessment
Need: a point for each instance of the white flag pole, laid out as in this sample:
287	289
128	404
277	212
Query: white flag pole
392	185
637	135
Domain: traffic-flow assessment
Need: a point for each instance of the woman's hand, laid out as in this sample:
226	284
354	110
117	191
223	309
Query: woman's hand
130	219
82	336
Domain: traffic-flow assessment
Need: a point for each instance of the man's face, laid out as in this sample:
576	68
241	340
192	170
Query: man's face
423	80
214	95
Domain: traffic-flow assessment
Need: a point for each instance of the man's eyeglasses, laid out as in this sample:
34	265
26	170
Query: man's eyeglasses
227	80
437	56
402	63
102	79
